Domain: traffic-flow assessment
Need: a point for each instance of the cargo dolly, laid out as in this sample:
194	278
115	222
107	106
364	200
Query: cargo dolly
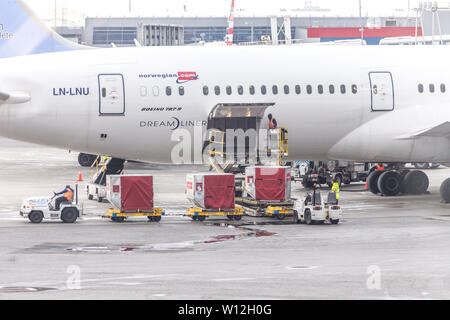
201	214
118	216
278	209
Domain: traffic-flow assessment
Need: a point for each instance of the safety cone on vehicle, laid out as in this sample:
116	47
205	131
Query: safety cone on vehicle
80	177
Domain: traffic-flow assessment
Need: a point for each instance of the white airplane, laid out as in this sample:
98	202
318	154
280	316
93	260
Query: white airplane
368	103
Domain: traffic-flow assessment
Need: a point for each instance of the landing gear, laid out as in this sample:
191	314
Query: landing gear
445	191
393	182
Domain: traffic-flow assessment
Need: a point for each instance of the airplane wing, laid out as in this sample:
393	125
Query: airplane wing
441	130
14	97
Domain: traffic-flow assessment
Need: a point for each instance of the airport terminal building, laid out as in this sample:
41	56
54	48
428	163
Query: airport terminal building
102	32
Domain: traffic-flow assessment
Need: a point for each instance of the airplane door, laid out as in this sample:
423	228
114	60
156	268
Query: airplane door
382	91
112	94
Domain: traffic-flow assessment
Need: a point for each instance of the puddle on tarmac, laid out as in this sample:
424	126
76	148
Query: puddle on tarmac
24	289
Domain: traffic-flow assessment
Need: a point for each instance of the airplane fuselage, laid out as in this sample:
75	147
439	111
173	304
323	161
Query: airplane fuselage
338	102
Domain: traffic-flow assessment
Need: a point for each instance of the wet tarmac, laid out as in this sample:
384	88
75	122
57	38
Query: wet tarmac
384	248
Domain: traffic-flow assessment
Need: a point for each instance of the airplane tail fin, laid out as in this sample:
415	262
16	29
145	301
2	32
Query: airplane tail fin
230	27
23	33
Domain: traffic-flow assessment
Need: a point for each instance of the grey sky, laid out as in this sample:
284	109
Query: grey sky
45	8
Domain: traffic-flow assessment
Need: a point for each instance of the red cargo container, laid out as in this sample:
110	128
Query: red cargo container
211	191
268	183
131	193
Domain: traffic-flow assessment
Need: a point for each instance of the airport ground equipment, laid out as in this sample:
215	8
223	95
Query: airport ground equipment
260	208
200	214
274	152
131	196
100	169
119	216
324	173
212	194
313	210
39	208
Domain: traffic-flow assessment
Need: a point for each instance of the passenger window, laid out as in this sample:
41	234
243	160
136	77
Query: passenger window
443	89
217	90
331	89
143	92
420	87
286	89
168	91
251	89
354	89
320	89
205	90
181	91
274	89
263	90
432	88
298	89
308	89
156	91
229	90
240	90
343	89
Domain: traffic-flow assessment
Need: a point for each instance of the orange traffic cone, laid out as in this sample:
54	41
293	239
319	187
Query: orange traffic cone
80	177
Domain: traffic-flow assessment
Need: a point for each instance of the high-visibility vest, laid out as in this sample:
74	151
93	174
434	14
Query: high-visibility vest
68	195
271	124
335	189
380	168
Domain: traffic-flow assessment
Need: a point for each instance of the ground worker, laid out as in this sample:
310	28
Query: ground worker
378	167
335	189
272	122
67	196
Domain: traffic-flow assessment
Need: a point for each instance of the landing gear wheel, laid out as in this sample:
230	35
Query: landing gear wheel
308	218
334	221
372	181
86	160
390	183
201	218
237	218
445	191
100	199
36	217
156	218
416	182
118	219
90	197
69	215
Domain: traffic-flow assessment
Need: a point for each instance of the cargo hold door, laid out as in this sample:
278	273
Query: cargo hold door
382	91
111	95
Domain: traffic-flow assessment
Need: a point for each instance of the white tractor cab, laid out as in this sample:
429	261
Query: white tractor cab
313	210
39	208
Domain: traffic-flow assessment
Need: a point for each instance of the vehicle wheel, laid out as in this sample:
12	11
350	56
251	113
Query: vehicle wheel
201	218
90	197
195	218
372	181
100	199
390	183
118	219
69	215
320	222
416	182
237	218
308	218
36	217
281	216
230	217
86	160
421	165
445	191
333	221
296	219
156	218
150	218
